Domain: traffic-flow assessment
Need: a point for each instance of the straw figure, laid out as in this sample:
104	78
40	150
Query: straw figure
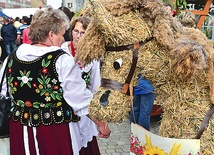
177	60
187	19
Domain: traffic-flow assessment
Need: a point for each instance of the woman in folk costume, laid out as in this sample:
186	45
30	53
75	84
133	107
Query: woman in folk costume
91	75
47	91
90	72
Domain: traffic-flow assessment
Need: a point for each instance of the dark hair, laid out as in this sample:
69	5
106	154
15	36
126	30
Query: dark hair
17	19
6	19
67	12
25	19
11	20
30	19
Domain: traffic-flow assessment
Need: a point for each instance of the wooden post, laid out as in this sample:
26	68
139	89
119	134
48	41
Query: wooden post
203	13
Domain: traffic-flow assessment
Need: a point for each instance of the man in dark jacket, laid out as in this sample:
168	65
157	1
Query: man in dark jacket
8	33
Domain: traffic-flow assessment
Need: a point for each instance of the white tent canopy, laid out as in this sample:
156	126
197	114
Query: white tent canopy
19	12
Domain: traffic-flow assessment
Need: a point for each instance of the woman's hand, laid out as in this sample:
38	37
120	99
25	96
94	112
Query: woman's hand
103	128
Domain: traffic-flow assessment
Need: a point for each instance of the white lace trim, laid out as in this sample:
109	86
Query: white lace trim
87	130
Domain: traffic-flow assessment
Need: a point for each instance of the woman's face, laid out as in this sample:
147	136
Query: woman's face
77	33
58	39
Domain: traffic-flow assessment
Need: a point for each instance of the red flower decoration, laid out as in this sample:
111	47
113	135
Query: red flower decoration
80	65
44	70
136	146
28	103
9	70
174	13
56	87
15	83
34	85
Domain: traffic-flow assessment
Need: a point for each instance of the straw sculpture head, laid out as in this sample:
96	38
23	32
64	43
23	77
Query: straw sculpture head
177	60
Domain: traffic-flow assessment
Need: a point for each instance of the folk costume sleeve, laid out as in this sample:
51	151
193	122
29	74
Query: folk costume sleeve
73	85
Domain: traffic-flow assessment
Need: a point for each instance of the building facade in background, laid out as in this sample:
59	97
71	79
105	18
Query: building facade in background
39	3
22	3
74	5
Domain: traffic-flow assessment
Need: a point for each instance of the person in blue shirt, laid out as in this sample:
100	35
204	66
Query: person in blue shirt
8	33
143	102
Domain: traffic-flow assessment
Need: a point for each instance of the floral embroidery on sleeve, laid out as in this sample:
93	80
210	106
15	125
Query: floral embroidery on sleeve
13	85
87	76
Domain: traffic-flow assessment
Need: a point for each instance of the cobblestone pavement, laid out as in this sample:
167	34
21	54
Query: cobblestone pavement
118	142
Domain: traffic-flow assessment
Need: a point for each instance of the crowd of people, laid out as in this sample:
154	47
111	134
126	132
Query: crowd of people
11	34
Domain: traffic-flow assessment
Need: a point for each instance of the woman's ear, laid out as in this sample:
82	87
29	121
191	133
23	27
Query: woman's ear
51	36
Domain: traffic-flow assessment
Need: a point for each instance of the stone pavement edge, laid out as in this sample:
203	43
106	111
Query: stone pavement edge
119	141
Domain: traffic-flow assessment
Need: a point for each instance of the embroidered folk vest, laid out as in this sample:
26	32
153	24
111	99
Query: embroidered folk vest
38	96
